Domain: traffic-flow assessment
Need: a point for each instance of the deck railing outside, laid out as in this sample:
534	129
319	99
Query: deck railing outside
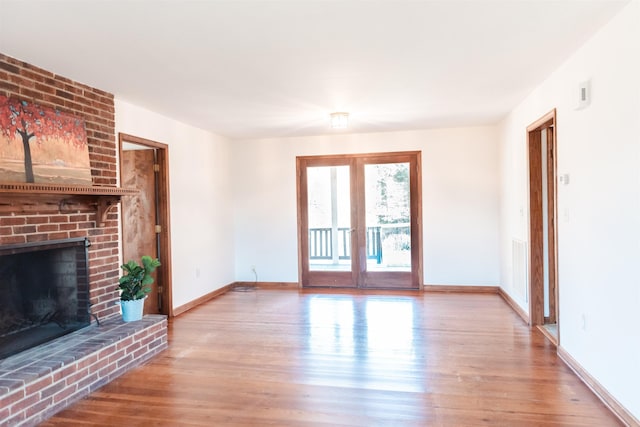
321	247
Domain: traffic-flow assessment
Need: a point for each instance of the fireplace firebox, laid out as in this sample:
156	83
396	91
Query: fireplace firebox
44	292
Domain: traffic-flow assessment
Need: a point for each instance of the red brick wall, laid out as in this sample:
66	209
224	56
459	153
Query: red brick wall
39	222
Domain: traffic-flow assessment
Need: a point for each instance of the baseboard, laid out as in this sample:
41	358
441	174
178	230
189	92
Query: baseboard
211	295
201	300
294	285
614	406
548	335
514	305
270	285
461	289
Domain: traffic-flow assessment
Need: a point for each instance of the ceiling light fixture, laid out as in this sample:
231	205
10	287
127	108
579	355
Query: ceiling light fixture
339	120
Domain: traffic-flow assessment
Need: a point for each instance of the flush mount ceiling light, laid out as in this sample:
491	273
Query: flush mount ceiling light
339	120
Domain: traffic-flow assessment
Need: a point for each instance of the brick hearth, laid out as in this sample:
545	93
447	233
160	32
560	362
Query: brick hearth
39	382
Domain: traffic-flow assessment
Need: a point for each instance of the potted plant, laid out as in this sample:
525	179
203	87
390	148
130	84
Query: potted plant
135	286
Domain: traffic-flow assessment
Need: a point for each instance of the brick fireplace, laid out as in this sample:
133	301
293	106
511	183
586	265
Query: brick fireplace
45	292
45	218
44	379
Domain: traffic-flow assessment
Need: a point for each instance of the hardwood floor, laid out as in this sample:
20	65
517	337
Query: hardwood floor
289	358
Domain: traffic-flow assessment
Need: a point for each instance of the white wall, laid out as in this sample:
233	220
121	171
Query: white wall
599	210
460	200
200	191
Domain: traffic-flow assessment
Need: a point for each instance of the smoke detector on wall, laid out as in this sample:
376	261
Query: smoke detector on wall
584	95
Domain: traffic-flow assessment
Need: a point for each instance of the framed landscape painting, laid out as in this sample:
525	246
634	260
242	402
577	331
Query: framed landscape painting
41	145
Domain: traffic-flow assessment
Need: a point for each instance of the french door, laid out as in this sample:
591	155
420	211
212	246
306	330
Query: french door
359	221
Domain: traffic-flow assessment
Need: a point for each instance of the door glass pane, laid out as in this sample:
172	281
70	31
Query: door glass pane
388	217
329	213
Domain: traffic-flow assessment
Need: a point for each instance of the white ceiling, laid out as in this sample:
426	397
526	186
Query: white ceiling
263	68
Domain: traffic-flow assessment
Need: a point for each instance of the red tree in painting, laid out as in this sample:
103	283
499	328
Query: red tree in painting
20	118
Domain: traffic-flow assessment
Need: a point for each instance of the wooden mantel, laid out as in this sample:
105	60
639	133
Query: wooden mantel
26	197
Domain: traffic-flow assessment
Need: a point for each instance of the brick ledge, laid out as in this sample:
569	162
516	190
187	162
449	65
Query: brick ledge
41	381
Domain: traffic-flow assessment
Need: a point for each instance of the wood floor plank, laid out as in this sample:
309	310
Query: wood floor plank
290	358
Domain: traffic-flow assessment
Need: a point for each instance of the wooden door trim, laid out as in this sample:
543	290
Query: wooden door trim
552	224
164	213
543	122
416	221
301	222
330	159
536	249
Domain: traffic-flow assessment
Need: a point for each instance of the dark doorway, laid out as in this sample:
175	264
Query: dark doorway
144	165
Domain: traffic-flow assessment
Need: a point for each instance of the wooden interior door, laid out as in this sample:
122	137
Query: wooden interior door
139	215
552	279
345	240
543	261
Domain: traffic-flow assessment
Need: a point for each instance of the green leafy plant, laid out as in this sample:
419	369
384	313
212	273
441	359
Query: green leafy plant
135	283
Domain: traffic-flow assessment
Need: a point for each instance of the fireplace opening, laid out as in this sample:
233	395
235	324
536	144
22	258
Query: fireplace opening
44	292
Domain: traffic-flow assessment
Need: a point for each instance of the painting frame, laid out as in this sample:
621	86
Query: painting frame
43	145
